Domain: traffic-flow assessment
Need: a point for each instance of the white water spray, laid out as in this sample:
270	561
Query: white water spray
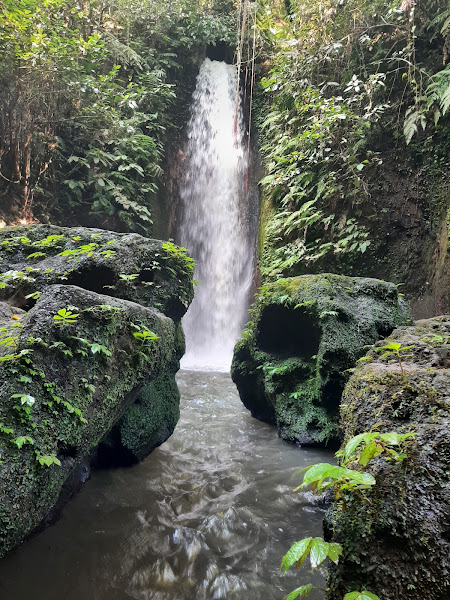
215	226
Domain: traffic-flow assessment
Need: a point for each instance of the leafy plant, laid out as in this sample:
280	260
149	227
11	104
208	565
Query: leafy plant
48	460
180	256
95	347
324	475
316	548
145	336
65	317
24	408
128	278
373	444
6	430
21	440
364	595
397	350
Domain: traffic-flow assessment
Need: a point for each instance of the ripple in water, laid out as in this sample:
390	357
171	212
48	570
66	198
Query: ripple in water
207	516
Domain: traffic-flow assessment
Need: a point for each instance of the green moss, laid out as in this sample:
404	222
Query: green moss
152	417
266	213
397	544
78	395
305	333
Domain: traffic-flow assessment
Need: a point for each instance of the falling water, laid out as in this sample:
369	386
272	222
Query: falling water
216	224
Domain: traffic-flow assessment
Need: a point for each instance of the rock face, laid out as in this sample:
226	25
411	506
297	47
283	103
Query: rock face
127	266
398	545
81	369
290	366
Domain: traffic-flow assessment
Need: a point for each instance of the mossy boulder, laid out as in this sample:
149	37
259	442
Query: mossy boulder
128	266
291	364
148	423
397	545
76	365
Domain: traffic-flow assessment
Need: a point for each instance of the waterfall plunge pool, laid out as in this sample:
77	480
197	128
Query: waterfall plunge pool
207	515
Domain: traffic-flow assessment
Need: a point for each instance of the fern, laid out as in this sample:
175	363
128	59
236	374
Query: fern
413	117
121	53
444	18
438	92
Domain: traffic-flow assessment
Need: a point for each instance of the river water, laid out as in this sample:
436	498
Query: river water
207	515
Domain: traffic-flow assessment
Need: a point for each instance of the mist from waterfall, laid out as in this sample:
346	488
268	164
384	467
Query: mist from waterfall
216	223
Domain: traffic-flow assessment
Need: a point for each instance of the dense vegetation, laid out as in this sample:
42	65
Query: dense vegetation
354	92
86	91
90	93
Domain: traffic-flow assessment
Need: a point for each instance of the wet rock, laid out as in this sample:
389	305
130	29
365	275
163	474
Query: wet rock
291	364
398	545
76	364
148	423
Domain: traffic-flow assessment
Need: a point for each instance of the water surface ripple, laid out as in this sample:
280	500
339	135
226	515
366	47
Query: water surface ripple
208	515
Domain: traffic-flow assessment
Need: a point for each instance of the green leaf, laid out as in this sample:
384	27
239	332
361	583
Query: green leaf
21	440
95	348
353	444
369	452
296	554
303	591
48	460
364	595
318	552
334	551
25	399
389	346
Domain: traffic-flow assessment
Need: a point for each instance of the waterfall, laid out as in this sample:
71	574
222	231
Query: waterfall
216	223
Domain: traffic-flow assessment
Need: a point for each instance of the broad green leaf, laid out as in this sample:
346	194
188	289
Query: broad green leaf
48	460
296	554
334	551
318	552
364	595
303	591
368	453
21	440
317	472
101	349
389	346
393	439
354	442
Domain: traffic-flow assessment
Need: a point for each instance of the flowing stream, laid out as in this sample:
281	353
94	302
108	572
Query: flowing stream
207	515
218	224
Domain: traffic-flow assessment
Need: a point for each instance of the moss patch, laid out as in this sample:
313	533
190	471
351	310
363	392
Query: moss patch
75	363
290	366
398	545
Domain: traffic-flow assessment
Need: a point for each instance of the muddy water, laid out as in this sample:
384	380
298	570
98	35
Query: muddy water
208	515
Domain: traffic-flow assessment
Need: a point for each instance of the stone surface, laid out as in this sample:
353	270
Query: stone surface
291	365
72	384
398	545
123	265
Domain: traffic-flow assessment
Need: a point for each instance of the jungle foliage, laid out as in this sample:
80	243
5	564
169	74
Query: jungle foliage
341	82
85	94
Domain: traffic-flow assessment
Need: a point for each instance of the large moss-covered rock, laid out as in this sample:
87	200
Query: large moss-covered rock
290	366
397	545
128	266
76	364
